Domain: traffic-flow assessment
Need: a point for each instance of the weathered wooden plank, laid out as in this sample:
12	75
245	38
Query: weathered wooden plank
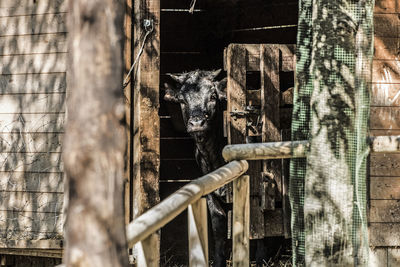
33	83
32	182
384	132
386	48
35	24
393	257
270	102
27	201
146	122
386	6
32	103
386	25
35	63
33	44
385	94
385	71
236	92
30	142
32	244
378	257
23	123
385	118
384	211
241	222
47	253
385	164
198	235
31	162
28	225
23	7
384	187
384	234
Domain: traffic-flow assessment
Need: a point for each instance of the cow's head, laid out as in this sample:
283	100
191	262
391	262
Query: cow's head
199	95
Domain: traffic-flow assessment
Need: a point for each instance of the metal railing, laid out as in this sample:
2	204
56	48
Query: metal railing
190	196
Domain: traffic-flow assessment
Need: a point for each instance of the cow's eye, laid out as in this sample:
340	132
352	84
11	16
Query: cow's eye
213	97
181	99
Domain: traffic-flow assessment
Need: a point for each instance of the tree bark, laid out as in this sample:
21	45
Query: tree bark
95	139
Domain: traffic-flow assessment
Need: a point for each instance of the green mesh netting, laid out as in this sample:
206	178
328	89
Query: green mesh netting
331	109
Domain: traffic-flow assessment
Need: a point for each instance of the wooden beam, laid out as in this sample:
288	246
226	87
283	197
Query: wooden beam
128	30
198	235
146	125
241	222
168	209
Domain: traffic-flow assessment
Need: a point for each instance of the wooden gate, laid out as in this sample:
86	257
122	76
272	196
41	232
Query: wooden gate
260	80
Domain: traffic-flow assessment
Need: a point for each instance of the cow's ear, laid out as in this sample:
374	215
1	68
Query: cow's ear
213	74
221	89
170	94
180	78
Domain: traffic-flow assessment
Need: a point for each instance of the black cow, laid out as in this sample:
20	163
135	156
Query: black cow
200	96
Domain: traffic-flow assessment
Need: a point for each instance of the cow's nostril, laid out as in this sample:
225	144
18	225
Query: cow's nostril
202	122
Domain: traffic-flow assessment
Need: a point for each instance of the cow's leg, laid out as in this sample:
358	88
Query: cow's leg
219	229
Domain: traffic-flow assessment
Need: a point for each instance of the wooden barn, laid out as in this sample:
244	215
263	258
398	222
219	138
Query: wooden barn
183	36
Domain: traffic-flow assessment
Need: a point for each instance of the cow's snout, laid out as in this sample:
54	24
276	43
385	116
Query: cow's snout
196	124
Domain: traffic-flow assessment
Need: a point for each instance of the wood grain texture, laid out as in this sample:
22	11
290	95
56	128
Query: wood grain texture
33	63
35	24
33	83
385	164
385	71
198	233
32	103
32	244
386	48
385	118
31	162
386	6
385	94
384	211
393	257
33	44
384	234
384	187
32	181
241	222
30	142
23	7
33	202
28	225
386	25
38	123
378	257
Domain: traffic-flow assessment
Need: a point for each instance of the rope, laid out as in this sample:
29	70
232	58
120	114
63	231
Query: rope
149	29
192	5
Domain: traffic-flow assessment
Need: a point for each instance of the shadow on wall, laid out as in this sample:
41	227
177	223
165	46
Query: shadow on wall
33	53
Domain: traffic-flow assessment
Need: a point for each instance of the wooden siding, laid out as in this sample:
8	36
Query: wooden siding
33	53
384	187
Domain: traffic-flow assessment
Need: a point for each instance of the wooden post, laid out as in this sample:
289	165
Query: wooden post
198	235
241	221
128	29
270	95
94	143
146	128
236	94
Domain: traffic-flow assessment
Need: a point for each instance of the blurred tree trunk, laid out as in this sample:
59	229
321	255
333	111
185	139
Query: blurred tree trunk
94	144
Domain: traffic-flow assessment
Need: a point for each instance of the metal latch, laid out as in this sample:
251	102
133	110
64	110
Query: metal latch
249	110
